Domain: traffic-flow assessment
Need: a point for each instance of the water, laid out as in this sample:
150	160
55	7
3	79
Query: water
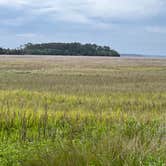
143	56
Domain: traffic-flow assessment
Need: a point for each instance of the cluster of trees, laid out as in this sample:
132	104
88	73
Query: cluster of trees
11	51
62	49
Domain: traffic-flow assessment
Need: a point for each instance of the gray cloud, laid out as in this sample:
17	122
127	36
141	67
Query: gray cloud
83	11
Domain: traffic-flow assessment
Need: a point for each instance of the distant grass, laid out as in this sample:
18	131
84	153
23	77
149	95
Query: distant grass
83	74
82	111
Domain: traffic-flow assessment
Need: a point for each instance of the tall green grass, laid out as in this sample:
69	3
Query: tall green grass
38	128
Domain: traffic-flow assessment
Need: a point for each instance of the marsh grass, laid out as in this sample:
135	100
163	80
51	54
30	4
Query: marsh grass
77	111
42	130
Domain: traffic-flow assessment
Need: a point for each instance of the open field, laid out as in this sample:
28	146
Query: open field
73	111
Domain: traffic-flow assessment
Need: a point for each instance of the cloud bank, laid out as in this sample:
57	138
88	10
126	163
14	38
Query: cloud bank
87	10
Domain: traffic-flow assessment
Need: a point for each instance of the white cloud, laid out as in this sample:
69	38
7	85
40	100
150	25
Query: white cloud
83	10
125	8
16	3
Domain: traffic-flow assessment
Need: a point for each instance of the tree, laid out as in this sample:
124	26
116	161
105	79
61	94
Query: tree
62	49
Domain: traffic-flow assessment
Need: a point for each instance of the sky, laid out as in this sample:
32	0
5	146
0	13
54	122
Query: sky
128	26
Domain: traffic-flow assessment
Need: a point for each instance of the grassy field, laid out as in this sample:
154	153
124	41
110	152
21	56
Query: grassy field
82	111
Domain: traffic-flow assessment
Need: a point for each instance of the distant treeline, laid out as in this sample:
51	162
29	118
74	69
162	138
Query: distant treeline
61	49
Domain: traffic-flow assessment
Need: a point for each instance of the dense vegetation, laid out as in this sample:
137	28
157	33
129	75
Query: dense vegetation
72	111
62	49
8	51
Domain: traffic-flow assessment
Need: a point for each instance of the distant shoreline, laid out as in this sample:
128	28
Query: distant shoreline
80	56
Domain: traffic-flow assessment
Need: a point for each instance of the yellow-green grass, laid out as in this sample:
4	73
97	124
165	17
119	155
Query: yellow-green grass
71	75
82	111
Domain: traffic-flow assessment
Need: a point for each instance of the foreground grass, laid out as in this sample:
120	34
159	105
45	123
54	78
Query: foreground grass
38	128
82	112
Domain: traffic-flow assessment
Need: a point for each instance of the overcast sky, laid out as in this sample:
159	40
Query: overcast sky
129	26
